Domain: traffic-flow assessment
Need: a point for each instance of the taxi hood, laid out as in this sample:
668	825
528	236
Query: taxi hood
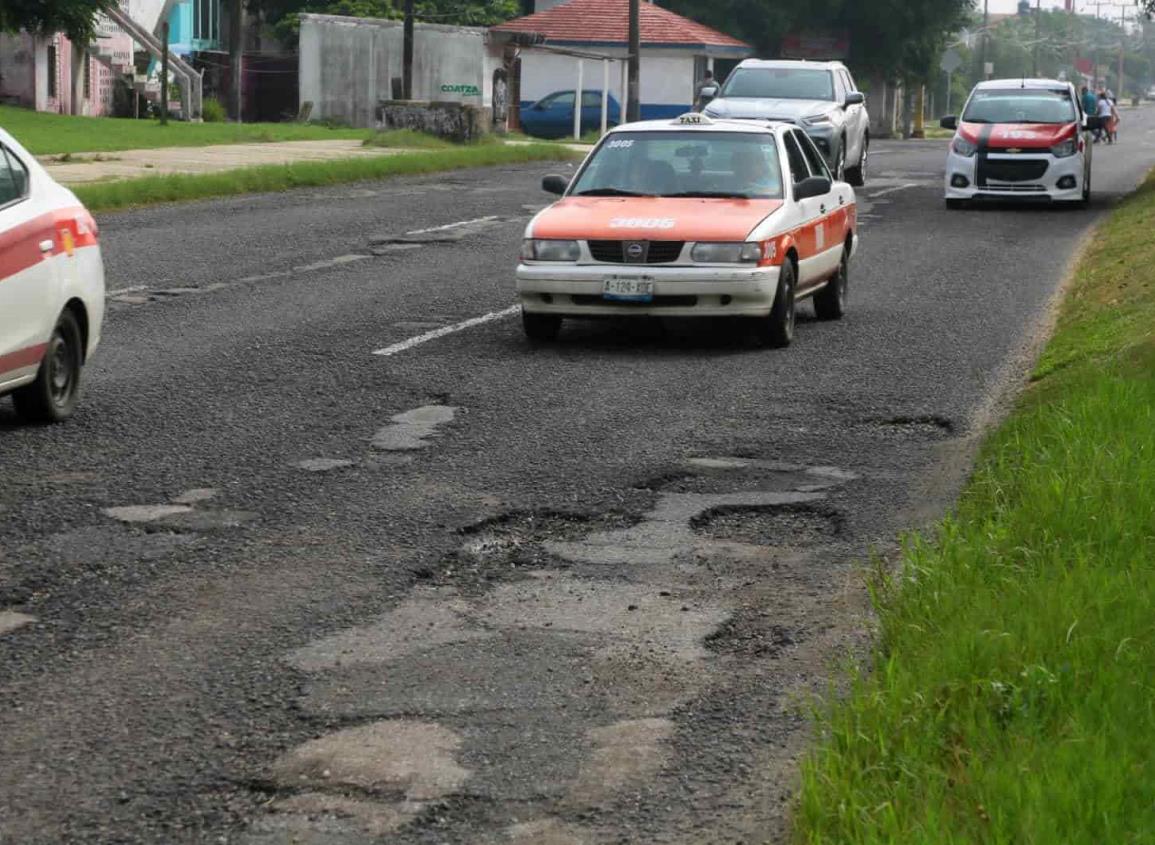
651	218
1031	136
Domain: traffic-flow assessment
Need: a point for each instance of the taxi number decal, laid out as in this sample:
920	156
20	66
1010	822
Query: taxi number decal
643	223
820	236
623	144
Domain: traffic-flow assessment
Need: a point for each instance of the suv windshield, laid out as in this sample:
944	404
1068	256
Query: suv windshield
1020	105
741	165
785	83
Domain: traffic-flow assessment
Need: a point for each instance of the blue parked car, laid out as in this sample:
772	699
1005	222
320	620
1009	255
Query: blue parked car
552	116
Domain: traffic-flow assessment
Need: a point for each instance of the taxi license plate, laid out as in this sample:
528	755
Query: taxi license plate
628	288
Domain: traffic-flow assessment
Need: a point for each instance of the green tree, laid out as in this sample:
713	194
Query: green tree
75	18
284	14
897	39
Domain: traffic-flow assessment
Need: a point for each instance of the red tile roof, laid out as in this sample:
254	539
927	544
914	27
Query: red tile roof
607	22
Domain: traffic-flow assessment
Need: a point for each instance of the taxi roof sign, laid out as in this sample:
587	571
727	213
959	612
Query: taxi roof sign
693	119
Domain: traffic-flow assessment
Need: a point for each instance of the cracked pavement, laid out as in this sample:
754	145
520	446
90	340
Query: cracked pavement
270	587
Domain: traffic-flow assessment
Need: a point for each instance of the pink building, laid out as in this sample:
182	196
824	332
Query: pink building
36	71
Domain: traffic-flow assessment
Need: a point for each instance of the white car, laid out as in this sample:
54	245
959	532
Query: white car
821	97
693	217
51	288
1019	139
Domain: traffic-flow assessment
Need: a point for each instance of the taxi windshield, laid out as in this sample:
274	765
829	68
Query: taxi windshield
1020	105
781	83
722	165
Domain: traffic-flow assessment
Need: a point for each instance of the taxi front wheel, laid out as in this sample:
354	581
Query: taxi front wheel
52	397
777	330
540	328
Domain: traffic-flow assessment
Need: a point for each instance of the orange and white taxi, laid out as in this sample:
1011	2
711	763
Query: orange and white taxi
692	218
51	288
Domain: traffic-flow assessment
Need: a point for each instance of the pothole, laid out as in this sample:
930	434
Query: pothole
779	525
511	545
925	427
751	634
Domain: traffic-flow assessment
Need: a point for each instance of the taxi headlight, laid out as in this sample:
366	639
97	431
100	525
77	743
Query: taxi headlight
815	119
726	253
1066	149
539	250
963	147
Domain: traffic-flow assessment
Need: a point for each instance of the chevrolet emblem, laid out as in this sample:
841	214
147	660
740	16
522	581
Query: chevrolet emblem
1014	150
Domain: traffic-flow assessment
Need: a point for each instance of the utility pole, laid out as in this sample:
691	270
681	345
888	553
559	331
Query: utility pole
164	75
1038	35
633	85
1122	48
407	54
986	36
236	53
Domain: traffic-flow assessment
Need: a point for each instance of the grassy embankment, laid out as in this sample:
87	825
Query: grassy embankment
150	190
1012	694
55	134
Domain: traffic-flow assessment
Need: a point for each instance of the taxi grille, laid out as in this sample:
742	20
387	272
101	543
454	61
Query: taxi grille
655	252
1028	170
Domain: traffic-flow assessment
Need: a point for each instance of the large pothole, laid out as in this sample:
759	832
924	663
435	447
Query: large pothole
778	525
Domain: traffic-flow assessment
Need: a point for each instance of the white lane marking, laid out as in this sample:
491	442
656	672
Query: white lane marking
446	330
453	225
127	290
332	262
878	194
10	620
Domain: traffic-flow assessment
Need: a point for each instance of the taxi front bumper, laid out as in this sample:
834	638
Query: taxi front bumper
1055	179
576	290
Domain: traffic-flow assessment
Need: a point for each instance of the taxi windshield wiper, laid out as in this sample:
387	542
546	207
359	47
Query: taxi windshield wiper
610	192
709	195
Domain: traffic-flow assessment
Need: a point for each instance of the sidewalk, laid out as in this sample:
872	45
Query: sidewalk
82	168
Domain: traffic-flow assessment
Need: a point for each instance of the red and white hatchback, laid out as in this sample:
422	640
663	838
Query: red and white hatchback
51	288
1019	140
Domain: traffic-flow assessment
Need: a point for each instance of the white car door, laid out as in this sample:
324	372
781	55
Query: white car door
27	272
821	250
857	123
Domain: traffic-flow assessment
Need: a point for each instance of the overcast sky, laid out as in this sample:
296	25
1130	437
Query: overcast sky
1012	5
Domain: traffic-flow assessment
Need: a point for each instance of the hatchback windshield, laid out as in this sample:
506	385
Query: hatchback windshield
780	83
732	165
1020	105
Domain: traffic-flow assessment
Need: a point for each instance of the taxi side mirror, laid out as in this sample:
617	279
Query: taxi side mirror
555	185
812	186
708	93
856	98
949	122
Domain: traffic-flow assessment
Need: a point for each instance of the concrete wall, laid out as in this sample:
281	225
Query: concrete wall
17	68
347	65
667	78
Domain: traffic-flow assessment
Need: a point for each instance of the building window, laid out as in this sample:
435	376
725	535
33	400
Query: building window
206	20
52	70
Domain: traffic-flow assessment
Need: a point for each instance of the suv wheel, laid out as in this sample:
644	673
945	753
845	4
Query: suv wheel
856	175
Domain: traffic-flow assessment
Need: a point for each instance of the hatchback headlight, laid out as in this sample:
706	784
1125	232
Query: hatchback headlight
539	250
1066	149
815	119
963	147
726	253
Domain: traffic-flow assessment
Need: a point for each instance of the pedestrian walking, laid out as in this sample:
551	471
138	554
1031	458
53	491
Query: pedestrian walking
1108	118
1090	105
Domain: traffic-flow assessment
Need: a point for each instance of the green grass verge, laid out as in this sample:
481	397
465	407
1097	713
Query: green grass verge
53	134
1011	698
152	190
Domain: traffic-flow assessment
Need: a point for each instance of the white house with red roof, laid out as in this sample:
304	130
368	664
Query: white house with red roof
676	52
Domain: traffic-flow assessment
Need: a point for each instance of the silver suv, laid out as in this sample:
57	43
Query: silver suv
820	97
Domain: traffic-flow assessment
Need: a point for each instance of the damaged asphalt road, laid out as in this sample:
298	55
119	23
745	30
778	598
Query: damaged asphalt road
270	587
